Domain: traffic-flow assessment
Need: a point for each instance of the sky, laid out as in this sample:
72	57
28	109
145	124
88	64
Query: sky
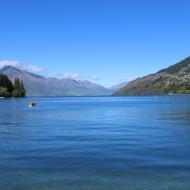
104	41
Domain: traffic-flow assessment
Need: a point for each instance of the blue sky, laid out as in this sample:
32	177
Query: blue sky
106	41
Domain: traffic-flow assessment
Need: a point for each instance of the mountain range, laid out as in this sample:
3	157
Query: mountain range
37	85
172	80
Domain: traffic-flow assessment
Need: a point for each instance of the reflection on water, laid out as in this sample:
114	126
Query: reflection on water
97	143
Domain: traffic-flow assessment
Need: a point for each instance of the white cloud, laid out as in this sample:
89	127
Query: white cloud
38	70
93	78
33	68
26	67
13	63
71	75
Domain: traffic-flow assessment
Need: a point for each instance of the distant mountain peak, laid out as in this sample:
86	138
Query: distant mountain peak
11	70
37	85
9	67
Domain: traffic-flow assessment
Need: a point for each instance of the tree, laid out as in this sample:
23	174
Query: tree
23	89
6	83
19	90
7	89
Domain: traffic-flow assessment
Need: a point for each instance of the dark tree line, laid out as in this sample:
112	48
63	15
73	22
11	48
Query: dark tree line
8	89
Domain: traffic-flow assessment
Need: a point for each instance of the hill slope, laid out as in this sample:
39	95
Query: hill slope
117	86
40	86
174	79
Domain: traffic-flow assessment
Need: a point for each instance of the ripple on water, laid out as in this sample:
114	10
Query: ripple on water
92	143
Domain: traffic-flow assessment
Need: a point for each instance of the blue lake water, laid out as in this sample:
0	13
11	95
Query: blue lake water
95	143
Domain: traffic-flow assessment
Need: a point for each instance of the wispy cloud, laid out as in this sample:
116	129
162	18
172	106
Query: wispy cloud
33	68
75	76
41	71
93	78
26	67
13	63
71	75
59	75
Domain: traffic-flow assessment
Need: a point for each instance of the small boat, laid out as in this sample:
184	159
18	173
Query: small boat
31	104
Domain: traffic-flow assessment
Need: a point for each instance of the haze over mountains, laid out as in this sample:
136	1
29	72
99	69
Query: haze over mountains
37	85
172	80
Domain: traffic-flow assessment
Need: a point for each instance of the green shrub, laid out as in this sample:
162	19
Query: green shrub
4	93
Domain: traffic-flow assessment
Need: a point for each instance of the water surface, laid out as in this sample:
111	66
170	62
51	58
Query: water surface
95	143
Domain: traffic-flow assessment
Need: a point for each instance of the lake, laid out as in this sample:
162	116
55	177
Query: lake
95	143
